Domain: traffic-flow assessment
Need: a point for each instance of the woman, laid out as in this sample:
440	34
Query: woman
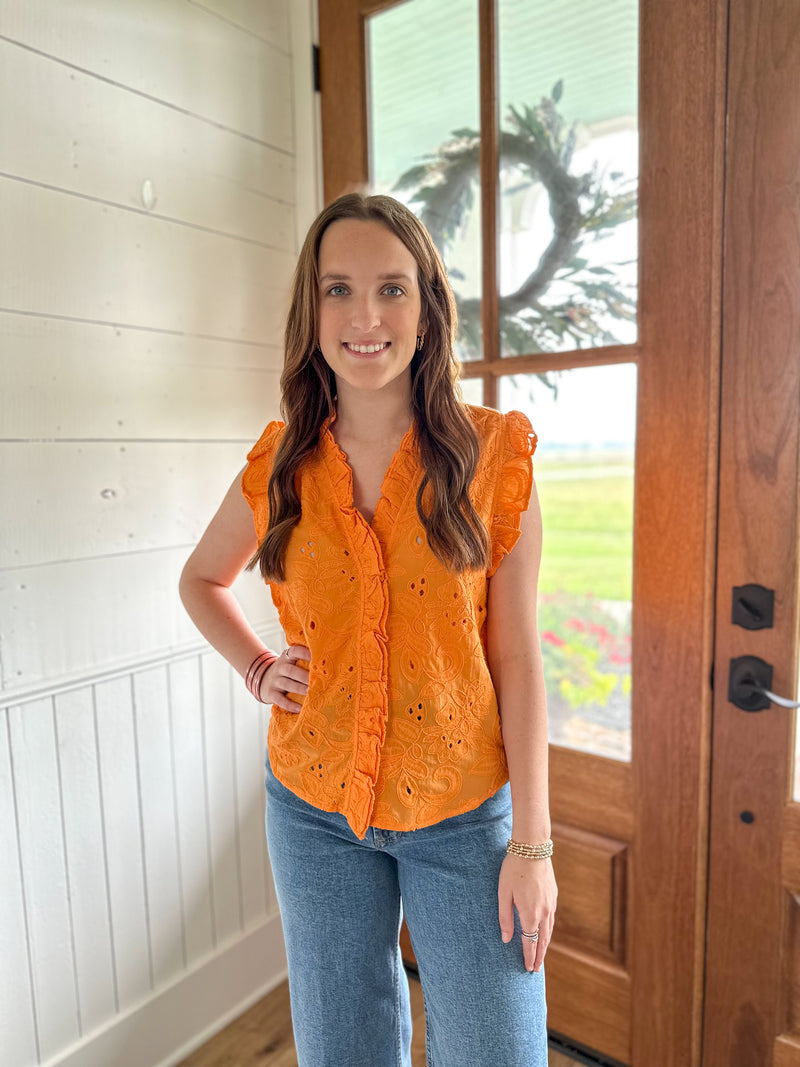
407	767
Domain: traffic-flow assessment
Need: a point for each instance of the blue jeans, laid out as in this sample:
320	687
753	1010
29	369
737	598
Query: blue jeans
340	904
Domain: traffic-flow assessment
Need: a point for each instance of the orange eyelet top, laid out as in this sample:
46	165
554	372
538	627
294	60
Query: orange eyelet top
400	726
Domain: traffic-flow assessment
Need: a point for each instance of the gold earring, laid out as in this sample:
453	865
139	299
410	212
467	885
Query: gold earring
420	342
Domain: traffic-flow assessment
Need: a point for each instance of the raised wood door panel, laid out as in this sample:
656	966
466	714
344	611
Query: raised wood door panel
631	837
752	1012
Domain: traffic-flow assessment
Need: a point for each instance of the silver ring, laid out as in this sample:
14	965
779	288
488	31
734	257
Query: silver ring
531	937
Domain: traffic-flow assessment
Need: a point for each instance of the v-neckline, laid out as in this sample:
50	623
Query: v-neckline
393	477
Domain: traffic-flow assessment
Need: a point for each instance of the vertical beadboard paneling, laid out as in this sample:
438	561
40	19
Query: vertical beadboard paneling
17	1019
190	804
159	828
44	873
249	747
123	836
85	856
217	720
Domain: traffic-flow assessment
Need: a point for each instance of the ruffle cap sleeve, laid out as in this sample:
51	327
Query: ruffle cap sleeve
255	479
514	484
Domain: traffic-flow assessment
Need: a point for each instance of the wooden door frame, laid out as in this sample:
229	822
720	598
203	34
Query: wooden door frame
657	1002
682	94
752	994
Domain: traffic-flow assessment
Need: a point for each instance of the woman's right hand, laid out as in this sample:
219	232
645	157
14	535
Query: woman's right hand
286	677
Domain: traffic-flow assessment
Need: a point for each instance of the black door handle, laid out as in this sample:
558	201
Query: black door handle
749	682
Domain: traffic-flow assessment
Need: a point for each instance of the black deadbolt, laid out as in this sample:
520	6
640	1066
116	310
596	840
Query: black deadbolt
752	607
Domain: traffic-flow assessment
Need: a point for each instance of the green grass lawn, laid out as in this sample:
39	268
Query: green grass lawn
588	522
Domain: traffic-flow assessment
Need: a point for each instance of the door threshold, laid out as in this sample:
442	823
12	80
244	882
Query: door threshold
579	1053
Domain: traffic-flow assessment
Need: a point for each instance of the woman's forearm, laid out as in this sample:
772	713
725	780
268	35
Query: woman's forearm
216	613
523	714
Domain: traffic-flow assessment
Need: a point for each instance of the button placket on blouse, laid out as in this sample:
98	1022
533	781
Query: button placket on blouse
375	591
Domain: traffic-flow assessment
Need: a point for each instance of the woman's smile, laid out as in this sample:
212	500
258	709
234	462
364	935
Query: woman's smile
368	348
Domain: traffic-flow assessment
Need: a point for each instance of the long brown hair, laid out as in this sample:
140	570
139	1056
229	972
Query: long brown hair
449	446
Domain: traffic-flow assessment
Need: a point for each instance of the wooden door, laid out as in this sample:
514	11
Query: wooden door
752	1010
625	970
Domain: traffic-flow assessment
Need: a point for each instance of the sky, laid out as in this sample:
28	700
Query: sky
595	407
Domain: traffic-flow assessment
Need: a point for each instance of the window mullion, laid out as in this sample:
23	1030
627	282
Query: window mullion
490	309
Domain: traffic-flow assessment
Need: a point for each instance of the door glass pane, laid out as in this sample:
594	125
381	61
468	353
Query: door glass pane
569	149
472	390
583	467
424	129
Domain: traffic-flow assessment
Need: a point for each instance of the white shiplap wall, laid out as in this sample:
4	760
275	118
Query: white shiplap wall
158	166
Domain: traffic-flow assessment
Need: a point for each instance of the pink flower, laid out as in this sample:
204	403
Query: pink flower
553	639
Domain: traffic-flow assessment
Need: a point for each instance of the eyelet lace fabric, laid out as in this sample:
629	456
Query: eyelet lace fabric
400	726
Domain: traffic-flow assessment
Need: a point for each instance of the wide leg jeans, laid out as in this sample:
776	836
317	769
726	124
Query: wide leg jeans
342	901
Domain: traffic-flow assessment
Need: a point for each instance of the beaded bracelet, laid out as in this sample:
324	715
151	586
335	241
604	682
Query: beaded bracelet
256	671
531	852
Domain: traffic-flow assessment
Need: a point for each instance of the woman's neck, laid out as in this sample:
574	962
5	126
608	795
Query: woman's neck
370	418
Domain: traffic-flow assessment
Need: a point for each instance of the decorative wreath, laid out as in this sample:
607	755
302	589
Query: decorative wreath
536	148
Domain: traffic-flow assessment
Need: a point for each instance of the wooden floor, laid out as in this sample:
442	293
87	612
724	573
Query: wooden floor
262	1037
